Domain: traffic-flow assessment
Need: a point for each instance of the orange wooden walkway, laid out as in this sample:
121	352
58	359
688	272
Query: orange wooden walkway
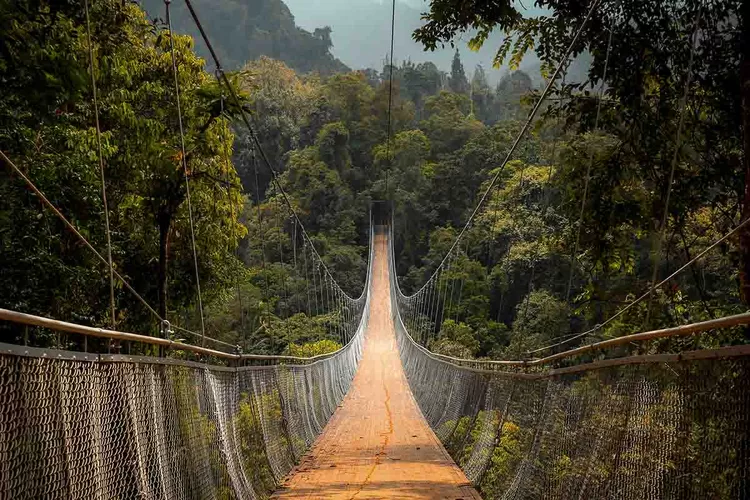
378	444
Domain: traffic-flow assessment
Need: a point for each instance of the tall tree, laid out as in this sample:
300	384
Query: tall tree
649	55
511	88
482	98
457	81
47	127
280	101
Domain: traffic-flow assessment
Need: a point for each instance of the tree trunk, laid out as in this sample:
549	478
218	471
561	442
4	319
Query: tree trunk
745	96
165	223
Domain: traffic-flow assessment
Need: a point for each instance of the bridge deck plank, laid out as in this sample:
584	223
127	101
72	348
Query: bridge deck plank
378	444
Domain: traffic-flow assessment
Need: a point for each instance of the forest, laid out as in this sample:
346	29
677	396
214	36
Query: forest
576	228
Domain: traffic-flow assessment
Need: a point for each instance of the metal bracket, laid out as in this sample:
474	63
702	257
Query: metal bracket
166	329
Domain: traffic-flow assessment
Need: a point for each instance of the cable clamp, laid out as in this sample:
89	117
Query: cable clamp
166	327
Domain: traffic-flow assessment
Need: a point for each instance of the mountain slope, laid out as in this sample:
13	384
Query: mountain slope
242	30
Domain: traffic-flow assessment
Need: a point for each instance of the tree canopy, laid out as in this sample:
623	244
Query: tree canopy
325	135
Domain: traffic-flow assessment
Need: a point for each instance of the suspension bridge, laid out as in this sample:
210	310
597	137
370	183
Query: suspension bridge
113	414
380	418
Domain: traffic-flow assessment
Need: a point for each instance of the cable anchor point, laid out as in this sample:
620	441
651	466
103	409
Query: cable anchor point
166	326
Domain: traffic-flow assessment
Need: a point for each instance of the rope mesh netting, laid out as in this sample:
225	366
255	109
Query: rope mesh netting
677	429
76	425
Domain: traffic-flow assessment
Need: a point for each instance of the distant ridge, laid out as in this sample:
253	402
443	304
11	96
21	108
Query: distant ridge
243	30
361	36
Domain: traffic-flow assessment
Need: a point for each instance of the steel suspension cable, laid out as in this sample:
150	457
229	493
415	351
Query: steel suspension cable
283	278
261	233
184	162
88	245
460	285
315	285
294	245
426	312
453	282
73	229
390	98
328	304
651	290
445	304
324	299
340	317
545	206
524	129
519	193
673	167
101	165
232	209
253	136
421	316
496	213
307	280
589	167
422	328
322	286
432	311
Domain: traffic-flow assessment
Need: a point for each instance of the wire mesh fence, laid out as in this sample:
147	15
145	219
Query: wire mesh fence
657	427
105	428
87	425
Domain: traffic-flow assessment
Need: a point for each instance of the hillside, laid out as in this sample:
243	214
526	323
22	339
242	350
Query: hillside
243	30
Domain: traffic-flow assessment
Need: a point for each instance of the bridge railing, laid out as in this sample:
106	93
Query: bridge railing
166	345
95	425
651	426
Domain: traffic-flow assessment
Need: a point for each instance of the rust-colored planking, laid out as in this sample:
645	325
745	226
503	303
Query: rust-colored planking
378	444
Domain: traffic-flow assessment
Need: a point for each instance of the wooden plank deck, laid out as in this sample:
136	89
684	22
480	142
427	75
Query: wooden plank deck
378	444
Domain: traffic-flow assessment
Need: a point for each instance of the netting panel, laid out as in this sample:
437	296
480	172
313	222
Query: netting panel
113	427
676	430
99	429
76	425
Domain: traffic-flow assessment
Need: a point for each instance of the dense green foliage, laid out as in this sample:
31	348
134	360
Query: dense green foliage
47	128
326	137
534	221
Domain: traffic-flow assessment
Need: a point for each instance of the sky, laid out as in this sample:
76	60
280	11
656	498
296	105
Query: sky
361	35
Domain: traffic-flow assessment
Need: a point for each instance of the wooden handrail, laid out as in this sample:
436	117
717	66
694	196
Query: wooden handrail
64	326
676	331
